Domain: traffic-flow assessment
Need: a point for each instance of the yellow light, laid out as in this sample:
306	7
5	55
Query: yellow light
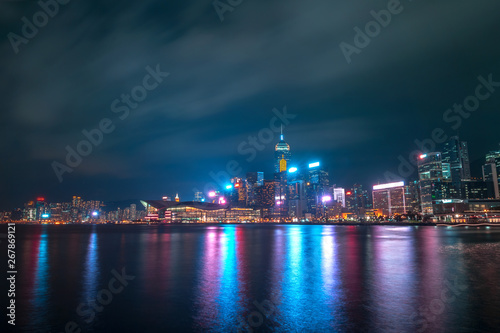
282	165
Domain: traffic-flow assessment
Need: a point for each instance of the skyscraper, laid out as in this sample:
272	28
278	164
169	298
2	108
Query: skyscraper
464	157
390	198
254	180
430	172
456	153
494	157
490	175
282	154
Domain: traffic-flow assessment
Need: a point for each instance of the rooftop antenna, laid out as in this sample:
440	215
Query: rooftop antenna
281	132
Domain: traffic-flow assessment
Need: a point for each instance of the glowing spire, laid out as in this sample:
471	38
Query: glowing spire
282	138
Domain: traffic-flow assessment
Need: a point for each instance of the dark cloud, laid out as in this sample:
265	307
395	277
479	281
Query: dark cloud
225	78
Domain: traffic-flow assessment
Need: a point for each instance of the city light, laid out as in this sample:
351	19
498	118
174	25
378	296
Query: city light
212	194
222	201
326	198
45	216
40	199
95	213
228	187
314	165
237	185
292	170
389	185
348	193
423	156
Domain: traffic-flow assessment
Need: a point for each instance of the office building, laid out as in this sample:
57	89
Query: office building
490	175
430	172
282	154
339	195
390	198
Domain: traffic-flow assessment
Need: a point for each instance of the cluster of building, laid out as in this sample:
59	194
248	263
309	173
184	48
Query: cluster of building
446	188
76	211
302	192
296	192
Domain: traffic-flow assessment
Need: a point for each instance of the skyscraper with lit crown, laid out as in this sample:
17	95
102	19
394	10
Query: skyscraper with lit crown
282	154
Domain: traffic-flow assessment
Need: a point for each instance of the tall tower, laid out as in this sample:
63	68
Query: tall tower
430	171
282	154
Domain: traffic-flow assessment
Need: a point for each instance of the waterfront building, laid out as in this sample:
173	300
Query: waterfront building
390	198
430	171
197	212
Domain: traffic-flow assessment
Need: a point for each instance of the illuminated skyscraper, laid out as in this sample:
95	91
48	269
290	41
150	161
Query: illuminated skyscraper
390	198
339	195
282	154
430	171
456	153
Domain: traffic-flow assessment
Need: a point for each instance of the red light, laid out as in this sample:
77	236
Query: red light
348	192
237	185
40	199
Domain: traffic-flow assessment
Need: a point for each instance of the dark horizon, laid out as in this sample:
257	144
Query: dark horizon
224	80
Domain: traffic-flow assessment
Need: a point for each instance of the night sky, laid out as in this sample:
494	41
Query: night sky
225	78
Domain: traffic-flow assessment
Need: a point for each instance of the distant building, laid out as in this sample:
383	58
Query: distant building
253	181
196	212
266	194
339	195
296	198
477	189
456	154
430	171
412	195
490	175
282	154
390	198
198	196
317	186
255	178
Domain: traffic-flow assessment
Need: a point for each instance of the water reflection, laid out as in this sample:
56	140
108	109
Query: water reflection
91	269
219	283
319	278
41	288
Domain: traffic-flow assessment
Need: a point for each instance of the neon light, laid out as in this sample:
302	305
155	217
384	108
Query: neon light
222	201
237	185
326	198
45	216
228	187
423	156
40	199
95	213
389	185
313	165
292	170
212	194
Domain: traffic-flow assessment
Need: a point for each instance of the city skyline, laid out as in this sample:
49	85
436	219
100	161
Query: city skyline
298	191
213	180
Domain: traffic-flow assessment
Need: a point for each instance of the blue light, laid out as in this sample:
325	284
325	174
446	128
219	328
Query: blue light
313	165
95	213
292	170
45	216
228	187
